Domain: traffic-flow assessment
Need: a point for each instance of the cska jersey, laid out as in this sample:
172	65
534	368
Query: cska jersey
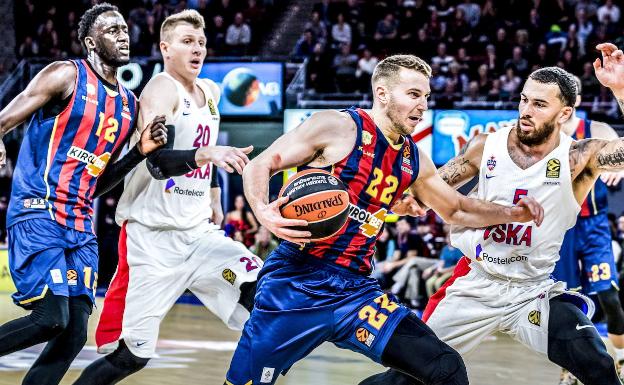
62	156
376	174
596	201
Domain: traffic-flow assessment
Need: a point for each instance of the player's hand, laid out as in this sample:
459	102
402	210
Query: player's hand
228	158
528	209
610	72
217	214
154	135
612	178
270	217
2	154
408	205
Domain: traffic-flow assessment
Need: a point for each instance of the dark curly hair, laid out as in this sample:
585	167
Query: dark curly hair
89	17
563	79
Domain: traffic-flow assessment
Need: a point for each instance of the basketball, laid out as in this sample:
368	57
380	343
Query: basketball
318	197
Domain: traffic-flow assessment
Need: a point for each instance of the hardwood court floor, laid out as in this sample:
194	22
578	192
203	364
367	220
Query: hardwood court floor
195	348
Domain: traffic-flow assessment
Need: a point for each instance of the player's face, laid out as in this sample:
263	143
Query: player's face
541	112
407	100
112	43
186	49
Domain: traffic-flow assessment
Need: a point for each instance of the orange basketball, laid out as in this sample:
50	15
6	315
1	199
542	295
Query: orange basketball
318	197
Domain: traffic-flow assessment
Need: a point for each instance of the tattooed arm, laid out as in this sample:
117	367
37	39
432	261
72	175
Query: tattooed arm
461	169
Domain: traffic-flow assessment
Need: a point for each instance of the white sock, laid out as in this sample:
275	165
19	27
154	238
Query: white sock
619	354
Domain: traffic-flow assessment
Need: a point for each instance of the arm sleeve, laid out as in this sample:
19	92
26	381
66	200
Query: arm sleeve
166	162
215	177
114	173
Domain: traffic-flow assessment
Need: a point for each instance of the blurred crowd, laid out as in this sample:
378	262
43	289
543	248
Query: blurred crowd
479	50
233	27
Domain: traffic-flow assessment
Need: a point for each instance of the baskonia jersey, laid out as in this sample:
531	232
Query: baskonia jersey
376	173
521	251
181	202
62	155
596	201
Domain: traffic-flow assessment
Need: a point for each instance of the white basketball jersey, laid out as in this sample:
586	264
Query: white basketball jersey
520	251
180	202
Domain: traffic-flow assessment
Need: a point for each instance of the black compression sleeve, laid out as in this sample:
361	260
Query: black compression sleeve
215	177
114	173
164	163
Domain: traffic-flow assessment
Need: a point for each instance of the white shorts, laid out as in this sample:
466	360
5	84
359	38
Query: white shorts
477	305
165	263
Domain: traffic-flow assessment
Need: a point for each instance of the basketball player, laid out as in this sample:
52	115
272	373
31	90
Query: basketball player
169	241
503	283
589	242
322	291
81	118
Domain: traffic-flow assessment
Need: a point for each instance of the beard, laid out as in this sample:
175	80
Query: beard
109	55
397	125
539	134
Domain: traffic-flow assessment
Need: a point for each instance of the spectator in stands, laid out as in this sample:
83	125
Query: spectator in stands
28	48
406	31
556	39
365	68
589	83
318	71
510	82
535	25
75	47
541	56
444	10
435	28
264	243
216	35
341	32
438	79
48	40
345	65
608	13
523	41
471	12
305	45
134	33
518	62
495	93
241	219
464	61
439	273
502	46
326	9
473	94
442	58
353	13
318	28
459	31
253	14
604	105
225	8
458	80
424	46
386	32
488	19
588	6
491	59
447	99
584	28
484	82
238	36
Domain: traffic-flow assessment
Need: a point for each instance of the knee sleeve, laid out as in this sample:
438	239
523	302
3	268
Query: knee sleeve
579	350
610	302
248	293
51	314
414	350
112	368
122	358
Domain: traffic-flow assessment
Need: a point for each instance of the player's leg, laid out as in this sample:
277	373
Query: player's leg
60	352
225	278
38	269
574	344
612	307
157	278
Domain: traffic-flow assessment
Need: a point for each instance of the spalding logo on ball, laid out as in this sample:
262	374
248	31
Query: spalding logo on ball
319	198
241	87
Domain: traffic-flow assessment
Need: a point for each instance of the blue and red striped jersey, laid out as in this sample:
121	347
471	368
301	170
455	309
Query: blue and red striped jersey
596	201
62	156
376	175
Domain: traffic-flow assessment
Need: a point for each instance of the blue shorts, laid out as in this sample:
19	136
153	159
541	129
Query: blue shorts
302	302
44	255
587	256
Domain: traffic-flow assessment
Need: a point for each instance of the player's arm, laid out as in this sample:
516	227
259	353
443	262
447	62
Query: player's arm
55	80
610	71
299	146
160	96
601	130
455	208
456	172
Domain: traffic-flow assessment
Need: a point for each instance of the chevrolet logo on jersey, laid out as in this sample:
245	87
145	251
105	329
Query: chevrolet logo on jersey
371	223
95	164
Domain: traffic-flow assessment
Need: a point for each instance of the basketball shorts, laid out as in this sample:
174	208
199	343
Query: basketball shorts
586	261
45	255
302	302
473	305
156	267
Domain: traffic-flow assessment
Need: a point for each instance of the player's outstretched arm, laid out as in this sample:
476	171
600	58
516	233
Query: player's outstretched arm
456	172
455	208
300	146
610	71
601	130
55	80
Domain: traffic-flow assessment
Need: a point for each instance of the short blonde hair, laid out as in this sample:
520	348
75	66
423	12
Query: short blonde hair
389	67
189	16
